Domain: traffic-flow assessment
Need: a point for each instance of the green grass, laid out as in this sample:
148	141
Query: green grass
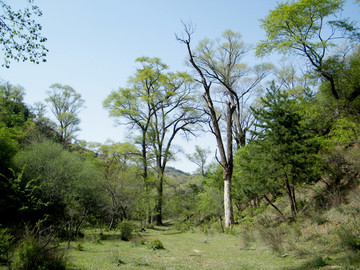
240	249
183	250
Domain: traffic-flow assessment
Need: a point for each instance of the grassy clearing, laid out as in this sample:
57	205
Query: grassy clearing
183	250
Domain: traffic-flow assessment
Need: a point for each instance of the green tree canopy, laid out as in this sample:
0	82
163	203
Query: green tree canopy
159	105
65	181
284	131
309	28
20	34
65	103
13	112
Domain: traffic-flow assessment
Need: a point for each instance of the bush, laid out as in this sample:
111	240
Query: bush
316	262
79	247
156	245
138	240
183	226
273	236
349	235
6	242
126	229
247	236
39	252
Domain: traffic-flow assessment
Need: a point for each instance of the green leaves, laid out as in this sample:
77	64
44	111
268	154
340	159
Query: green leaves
299	27
65	103
285	152
20	35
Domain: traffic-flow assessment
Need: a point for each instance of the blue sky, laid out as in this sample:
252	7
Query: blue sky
93	44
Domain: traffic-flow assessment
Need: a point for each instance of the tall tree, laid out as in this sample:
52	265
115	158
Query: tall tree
226	152
220	63
160	105
306	28
176	110
284	130
65	103
131	106
20	34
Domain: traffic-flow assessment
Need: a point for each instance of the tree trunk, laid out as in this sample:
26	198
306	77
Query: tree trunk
227	203
228	167
159	201
290	195
70	234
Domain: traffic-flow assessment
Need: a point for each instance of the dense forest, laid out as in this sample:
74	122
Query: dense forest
287	140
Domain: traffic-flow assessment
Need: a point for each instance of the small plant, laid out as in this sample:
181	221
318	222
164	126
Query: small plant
102	236
126	229
39	252
138	240
247	236
317	262
349	236
156	245
6	243
271	235
79	247
320	219
183	226
119	261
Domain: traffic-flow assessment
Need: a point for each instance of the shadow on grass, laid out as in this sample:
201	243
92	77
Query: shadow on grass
160	229
173	233
108	236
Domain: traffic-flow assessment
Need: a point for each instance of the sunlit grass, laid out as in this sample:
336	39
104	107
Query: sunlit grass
187	250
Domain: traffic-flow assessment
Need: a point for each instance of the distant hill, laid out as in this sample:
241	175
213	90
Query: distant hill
173	172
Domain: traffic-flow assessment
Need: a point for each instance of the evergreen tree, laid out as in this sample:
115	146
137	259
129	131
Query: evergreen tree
291	144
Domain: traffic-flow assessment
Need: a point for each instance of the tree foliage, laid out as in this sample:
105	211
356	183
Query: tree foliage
289	146
65	103
160	105
67	183
305	27
13	111
20	34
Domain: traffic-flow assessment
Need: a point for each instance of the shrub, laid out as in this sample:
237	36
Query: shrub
6	243
273	236
349	235
138	240
247	236
126	229
118	261
316	262
156	245
183	226
39	252
79	247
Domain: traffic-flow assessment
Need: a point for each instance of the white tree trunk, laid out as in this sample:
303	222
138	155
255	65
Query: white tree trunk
227	203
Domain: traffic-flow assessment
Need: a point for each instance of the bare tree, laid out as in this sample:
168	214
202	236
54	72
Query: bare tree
225	149
220	62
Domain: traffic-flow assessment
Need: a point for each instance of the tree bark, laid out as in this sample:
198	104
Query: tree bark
228	167
290	195
159	199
